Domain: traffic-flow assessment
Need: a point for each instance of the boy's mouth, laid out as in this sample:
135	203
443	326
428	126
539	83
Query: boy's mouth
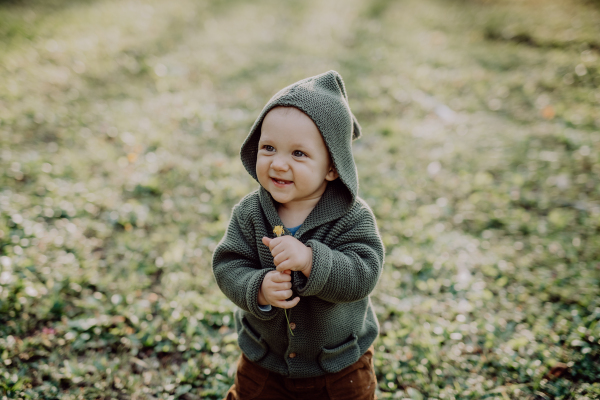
280	182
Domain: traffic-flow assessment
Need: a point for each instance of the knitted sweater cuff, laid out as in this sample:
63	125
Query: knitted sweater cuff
253	287
321	268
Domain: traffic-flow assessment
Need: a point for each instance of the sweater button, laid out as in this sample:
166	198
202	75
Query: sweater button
292	325
292	355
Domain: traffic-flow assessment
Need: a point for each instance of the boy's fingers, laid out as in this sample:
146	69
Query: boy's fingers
280	295
285	294
266	241
288	304
282	286
270	242
283	267
279	258
281	277
285	286
274	242
269	276
275	245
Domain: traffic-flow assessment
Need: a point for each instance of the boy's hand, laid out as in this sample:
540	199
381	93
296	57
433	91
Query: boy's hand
275	289
290	254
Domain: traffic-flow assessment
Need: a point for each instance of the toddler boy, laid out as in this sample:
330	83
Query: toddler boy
305	321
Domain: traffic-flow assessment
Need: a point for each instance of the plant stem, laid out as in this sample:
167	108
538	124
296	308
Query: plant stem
288	321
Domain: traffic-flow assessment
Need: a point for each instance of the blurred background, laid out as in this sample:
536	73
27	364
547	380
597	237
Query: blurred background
120	127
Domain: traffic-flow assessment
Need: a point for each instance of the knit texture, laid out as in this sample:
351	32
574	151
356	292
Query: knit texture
334	320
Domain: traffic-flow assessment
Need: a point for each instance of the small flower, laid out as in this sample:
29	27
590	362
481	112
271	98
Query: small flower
278	230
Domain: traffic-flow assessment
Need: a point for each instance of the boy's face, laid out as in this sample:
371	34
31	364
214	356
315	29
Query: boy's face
293	163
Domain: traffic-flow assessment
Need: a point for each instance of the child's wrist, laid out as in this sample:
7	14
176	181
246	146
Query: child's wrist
306	270
261	298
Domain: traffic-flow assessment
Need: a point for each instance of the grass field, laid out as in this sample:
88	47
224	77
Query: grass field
120	126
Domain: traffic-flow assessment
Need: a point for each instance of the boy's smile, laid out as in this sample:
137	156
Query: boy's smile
293	163
280	182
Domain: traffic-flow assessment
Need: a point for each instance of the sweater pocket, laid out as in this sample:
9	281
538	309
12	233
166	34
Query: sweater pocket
336	359
252	344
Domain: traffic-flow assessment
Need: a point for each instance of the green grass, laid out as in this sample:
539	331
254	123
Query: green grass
120	126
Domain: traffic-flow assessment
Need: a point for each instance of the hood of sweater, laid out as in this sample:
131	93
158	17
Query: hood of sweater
322	98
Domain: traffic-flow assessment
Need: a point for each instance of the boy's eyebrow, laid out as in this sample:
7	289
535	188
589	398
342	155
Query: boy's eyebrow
299	145
262	140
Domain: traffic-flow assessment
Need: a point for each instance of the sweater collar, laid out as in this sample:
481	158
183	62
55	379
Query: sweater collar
334	203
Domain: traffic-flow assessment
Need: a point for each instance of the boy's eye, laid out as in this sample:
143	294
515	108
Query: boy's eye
269	148
298	153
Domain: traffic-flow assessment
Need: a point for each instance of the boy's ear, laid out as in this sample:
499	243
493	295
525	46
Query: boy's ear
332	174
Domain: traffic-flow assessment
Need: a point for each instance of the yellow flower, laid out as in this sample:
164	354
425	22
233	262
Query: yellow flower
278	230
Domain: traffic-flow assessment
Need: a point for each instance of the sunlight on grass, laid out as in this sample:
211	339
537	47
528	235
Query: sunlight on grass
120	127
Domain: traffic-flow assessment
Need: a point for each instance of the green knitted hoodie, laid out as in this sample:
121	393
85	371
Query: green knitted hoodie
334	320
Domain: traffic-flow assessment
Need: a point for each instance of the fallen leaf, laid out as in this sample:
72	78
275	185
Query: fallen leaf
557	371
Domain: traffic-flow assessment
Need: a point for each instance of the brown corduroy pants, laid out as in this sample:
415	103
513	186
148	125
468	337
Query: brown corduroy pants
356	382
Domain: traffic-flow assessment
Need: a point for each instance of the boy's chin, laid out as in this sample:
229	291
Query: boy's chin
280	199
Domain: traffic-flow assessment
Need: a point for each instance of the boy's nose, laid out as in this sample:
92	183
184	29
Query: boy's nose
279	164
